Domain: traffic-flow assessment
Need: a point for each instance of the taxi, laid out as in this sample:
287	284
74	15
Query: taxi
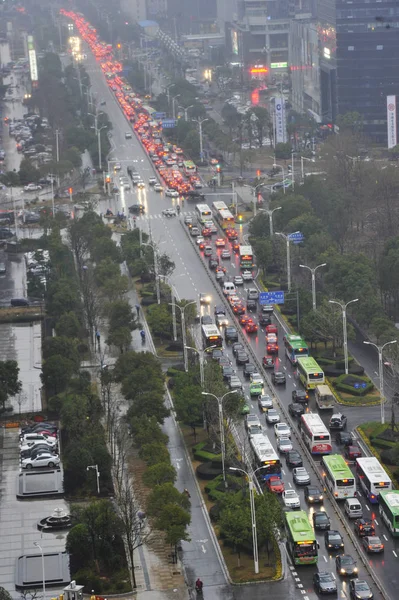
220	243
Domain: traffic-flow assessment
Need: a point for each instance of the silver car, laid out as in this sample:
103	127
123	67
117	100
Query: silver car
272	416
301	476
265	402
284	444
235	383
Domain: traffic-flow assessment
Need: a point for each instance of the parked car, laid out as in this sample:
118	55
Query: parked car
32	187
41	461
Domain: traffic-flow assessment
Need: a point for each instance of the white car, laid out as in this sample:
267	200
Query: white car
238	280
301	476
169	212
32	187
152	180
117	166
41	461
172	193
272	416
158	187
235	383
28	438
265	402
247	275
199	240
291	499
282	430
140	184
251	419
31	445
284	444
128	135
256	378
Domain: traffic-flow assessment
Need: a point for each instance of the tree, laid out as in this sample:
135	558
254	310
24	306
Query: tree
68	326
235	524
56	373
121	338
353	121
74	412
158	474
120	314
10	385
62	346
192	144
165	494
189	404
262	122
10	179
62	297
166	266
173	520
104	248
27	172
282	150
154	452
325	324
73	155
4	595
159	318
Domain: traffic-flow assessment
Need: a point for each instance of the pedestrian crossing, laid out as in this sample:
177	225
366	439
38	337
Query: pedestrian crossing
190	213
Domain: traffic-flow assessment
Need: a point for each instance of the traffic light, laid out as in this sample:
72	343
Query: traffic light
258	173
119	46
218	168
107	178
70	190
239	218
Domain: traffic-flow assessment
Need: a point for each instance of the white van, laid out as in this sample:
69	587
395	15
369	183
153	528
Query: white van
229	288
353	508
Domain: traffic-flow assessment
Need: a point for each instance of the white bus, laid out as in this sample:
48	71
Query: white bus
315	434
338	477
265	456
204	213
372	478
211	338
325	399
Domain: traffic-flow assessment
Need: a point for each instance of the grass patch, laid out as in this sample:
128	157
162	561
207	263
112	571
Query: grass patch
371	399
203	452
354	385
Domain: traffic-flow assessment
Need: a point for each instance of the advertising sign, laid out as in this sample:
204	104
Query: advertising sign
32	60
391	121
280	120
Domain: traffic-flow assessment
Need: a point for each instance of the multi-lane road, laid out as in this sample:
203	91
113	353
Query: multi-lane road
190	278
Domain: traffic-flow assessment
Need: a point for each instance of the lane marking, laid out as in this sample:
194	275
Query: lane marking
325	558
375	521
385	537
393	552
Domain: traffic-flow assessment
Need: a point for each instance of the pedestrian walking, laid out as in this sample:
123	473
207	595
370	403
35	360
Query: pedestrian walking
98	337
138	310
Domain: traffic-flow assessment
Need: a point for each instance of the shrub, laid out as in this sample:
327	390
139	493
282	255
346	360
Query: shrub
354	385
205	453
208	470
216	488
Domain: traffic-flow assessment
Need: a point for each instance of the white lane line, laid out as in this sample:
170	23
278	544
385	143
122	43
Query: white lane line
385	537
289	483
297	579
289	376
368	508
325	558
375	521
293	572
394	553
283	472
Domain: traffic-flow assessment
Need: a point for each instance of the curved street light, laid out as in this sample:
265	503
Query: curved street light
345	330
380	350
313	272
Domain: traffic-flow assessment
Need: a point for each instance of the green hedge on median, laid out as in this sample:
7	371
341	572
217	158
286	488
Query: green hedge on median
345	383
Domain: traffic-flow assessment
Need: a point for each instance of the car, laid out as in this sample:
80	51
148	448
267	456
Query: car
152	180
272	416
244	319
219	276
41	461
284	444
238	280
344	438
217	354
255	388
140	184
251	419
333	540
295	409
188	220
352	452
252	305
228	372
313	494
206	232
238	308
128	135
264	402
282	430
208	251
158	187
301	476
346	565
364	527
3	268
249	369
205	298
247	275
275	484
225	254
321	520
372	544
221	320
278	378
253	294
272	348
256	377
337	421
235	383
251	327
268	362
294	458
206	320
32	187
264	319
199	240
224	361
300	396
324	582
213	263
242	358
271	338
220	243
171	193
194	232
291	499
231	334
359	589
246	408
237	347
36	437
136	208
169	212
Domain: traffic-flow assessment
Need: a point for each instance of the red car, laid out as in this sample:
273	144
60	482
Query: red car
272	329
206	232
201	246
236	247
239	309
268	362
244	319
353	452
272	348
231	234
251	327
220	243
275	485
220	268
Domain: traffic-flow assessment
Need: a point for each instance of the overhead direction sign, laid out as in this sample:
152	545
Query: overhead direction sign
271	298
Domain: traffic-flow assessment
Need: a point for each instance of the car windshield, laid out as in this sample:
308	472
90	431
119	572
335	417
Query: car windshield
361	586
334	537
272	412
326	577
347	560
321	517
291	493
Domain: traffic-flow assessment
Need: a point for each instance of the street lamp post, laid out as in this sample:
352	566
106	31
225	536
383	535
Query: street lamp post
168	93
282	170
98	132
174	106
221	426
183	330
345	331
313	272
380	350
186	111
292	170
200	121
155	269
43	572
270	213
95	467
253	516
302	170
287	240
255	193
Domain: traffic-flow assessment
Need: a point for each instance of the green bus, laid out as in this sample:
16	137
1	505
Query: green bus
338	477
389	510
301	539
295	347
309	372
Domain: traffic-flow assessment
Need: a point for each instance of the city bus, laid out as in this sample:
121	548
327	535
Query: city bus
309	372
203	213
265	456
325	399
295	347
338	477
246	256
315	434
189	167
301	538
211	337
223	216
389	510
372	478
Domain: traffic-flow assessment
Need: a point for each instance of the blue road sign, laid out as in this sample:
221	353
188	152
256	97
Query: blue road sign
271	298
168	123
297	237
159	115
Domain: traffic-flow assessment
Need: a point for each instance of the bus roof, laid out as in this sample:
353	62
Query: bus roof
323	390
203	208
226	214
245	250
188	163
293	337
338	467
263	448
309	364
210	330
315	424
391	499
299	526
373	469
219	205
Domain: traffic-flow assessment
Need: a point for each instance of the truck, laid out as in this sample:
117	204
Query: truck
324	397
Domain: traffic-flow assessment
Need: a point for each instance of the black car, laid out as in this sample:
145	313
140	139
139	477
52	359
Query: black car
364	527
294	459
278	378
227	372
220	310
346	565
264	319
295	409
324	583
224	361
344	438
242	358
213	263
249	369
360	590
300	396
137	208
252	305
5	233
333	540
217	354
338	421
206	320
321	520
231	334
193	194
313	494
35	450
237	347
43	426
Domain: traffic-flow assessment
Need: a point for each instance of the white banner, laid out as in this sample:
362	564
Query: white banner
391	121
33	65
280	120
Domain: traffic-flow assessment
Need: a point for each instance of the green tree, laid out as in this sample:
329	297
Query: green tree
68	326
325	324
262	122
4	595
353	121
73	155
159	474
146	428
235	524
121	338
159	319
282	150
74	413
166	266
62	297
105	248
28	172
189	404
56	373
10	385
62	346
165	494
10	179
192	144
173	520
154	452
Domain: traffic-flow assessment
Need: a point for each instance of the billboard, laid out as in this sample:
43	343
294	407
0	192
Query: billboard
234	42
279	117
391	121
32	60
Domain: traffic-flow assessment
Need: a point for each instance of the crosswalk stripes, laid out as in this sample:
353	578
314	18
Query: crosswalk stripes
161	216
